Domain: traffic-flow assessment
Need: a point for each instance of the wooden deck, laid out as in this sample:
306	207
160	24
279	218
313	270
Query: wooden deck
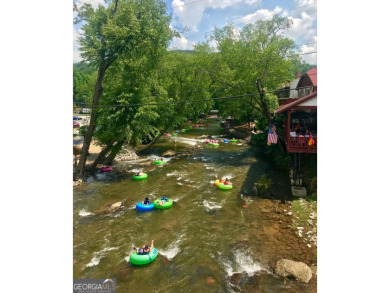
301	145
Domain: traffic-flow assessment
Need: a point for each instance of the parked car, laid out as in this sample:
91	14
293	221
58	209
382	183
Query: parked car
77	118
76	124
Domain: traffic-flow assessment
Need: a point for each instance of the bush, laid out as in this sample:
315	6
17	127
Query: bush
264	185
83	130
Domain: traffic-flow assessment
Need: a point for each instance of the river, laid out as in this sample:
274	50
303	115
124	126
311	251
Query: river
210	240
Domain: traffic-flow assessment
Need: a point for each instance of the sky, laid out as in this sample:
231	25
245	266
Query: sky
197	18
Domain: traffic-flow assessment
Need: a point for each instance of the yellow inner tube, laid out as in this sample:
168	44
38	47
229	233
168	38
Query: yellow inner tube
217	182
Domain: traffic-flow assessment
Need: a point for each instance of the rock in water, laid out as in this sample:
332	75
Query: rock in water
116	206
110	208
169	154
298	270
235	278
210	281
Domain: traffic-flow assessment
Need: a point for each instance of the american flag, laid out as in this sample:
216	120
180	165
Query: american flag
272	136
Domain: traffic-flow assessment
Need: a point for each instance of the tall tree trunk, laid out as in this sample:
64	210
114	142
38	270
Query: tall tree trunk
101	156
114	151
266	111
88	137
264	105
156	138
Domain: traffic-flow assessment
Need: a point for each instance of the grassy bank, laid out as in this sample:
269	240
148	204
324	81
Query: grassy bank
302	209
304	219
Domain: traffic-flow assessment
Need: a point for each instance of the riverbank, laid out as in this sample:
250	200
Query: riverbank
273	236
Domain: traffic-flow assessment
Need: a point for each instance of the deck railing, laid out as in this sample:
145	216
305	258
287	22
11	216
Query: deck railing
301	144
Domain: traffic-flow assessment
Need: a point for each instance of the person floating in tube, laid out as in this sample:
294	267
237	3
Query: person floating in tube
227	182
163	200
140	173
143	250
146	201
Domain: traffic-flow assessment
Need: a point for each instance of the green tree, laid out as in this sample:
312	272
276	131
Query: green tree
124	30
302	65
255	60
83	85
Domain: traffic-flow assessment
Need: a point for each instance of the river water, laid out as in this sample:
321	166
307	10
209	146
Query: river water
204	239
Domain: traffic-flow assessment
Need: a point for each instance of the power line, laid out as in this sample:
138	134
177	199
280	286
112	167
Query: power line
306	44
191	101
187	3
225	87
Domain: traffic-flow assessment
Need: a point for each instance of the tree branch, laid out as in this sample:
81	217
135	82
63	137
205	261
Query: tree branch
114	10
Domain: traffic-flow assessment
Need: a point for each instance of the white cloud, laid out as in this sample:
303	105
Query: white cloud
182	44
94	3
263	14
191	15
251	2
304	19
310	47
310	7
302	27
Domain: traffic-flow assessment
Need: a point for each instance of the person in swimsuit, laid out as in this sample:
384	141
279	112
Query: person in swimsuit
145	249
163	200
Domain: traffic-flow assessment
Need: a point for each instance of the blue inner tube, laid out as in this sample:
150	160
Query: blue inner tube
144	208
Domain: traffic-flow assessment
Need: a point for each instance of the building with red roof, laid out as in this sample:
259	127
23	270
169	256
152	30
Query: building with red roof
301	86
300	112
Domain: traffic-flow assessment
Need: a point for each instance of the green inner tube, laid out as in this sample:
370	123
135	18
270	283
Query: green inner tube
225	187
233	140
215	144
174	134
159	162
166	205
144	259
183	130
140	177
210	143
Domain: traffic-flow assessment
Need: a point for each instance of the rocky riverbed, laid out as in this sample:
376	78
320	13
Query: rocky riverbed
277	239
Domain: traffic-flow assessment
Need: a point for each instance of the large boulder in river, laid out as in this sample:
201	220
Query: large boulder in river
169	154
110	208
127	153
297	270
146	163
184	154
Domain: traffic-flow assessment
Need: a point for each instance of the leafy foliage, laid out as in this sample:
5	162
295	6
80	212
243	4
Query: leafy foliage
258	51
127	44
265	184
83	84
302	66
